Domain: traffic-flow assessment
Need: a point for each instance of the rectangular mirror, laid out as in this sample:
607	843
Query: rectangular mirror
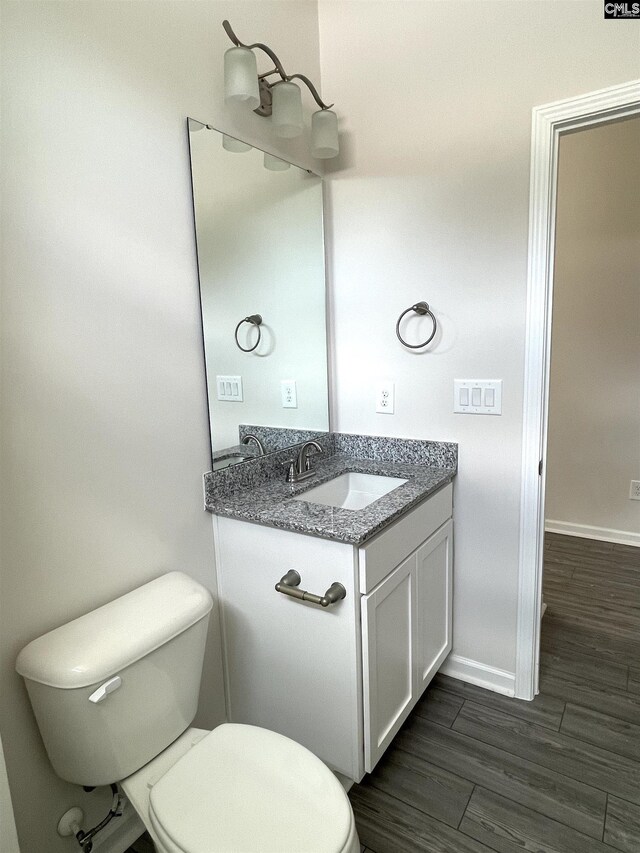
260	243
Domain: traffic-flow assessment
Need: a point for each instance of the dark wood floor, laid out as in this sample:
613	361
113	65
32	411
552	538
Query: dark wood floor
474	771
144	844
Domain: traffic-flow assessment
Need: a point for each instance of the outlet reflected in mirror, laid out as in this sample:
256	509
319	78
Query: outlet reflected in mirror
259	236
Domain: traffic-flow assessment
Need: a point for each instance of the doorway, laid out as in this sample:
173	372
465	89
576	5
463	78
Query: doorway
550	123
593	435
591	567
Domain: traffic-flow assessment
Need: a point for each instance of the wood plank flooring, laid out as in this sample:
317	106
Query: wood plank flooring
144	844
474	771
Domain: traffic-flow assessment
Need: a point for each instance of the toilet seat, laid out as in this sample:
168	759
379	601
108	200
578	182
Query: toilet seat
243	789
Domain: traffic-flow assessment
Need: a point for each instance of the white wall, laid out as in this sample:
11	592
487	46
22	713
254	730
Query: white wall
594	406
8	832
432	204
104	425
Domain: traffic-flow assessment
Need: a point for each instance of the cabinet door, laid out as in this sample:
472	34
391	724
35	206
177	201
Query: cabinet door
433	604
291	666
388	665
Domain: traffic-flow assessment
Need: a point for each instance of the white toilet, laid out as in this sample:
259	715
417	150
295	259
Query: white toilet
114	693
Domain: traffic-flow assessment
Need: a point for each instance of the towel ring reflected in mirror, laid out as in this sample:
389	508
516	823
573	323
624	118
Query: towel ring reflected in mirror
254	320
420	308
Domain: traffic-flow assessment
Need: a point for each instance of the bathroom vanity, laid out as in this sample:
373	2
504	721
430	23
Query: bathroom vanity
339	679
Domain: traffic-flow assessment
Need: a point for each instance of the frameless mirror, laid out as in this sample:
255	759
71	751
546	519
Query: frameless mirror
259	236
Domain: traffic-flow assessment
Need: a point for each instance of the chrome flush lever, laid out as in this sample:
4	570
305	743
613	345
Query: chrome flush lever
103	691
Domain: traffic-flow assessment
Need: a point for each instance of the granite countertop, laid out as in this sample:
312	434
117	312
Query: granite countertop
270	503
243	450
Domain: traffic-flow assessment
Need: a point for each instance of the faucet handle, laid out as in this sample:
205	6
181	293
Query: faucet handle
291	470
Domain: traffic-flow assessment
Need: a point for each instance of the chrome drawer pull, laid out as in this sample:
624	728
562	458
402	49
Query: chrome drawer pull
288	585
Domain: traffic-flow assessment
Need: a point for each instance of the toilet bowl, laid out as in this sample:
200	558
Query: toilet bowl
242	789
114	693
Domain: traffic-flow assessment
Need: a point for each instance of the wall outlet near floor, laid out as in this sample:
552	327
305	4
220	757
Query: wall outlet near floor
385	397
634	491
289	394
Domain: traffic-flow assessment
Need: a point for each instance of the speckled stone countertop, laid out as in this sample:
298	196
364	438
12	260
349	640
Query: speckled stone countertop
270	501
240	450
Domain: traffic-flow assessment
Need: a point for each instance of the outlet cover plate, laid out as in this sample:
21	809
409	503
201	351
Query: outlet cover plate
634	491
385	397
289	394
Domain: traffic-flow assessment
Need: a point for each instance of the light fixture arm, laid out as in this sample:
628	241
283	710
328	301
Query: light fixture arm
278	66
312	89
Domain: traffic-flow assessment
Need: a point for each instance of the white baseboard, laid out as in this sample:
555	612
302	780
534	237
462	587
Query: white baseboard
588	531
474	672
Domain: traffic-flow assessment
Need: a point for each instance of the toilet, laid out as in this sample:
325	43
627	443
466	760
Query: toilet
114	694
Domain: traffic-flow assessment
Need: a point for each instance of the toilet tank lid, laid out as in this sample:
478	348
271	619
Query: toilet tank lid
105	641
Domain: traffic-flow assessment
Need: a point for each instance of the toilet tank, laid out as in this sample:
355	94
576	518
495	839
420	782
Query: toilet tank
112	689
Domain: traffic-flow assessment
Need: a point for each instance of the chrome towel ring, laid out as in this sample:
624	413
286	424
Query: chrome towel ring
255	320
420	308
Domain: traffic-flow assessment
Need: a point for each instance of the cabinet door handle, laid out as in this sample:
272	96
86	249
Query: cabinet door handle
289	583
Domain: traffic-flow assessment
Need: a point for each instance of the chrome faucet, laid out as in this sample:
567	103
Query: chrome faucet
251	437
300	468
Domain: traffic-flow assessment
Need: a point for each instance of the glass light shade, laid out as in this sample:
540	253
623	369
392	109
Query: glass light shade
241	77
275	164
287	110
324	134
235	145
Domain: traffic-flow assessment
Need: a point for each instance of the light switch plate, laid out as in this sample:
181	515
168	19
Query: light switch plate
477	396
229	388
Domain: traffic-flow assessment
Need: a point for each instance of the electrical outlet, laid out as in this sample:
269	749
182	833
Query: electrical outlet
289	395
385	397
634	491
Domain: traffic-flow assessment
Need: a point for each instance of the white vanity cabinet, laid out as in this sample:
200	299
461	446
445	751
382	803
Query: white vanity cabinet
340	680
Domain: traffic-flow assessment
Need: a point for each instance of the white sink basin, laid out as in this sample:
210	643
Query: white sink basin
351	490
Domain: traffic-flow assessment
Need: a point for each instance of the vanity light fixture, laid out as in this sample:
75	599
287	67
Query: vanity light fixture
275	164
236	146
280	99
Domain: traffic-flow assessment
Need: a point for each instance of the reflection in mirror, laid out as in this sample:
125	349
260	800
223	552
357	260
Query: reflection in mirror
259	235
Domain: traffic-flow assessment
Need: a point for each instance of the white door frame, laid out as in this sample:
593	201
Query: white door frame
549	122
